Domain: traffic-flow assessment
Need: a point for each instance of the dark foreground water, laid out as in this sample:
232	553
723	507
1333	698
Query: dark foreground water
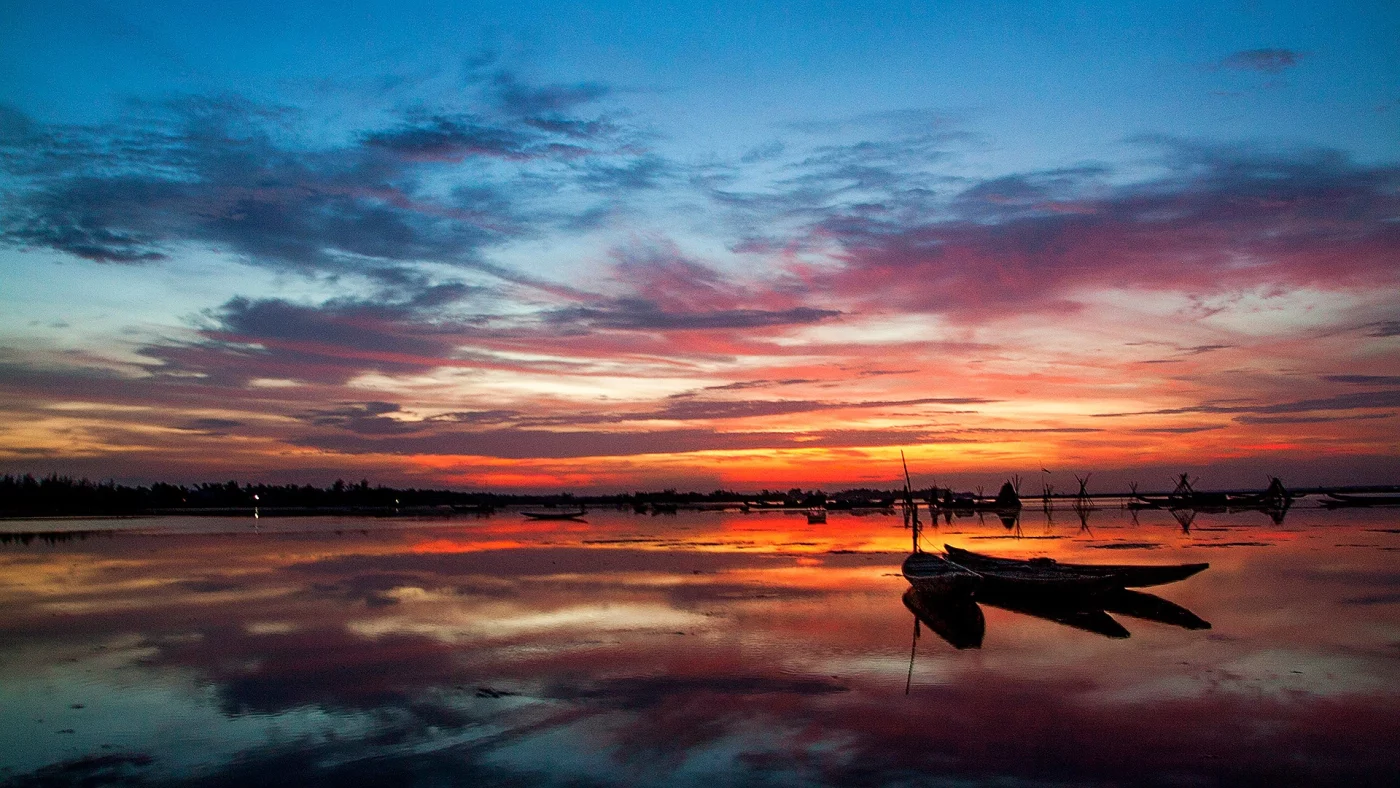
698	649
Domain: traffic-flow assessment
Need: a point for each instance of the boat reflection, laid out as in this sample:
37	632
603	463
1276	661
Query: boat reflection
955	617
1078	612
958	617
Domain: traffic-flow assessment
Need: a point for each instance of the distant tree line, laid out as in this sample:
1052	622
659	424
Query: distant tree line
65	495
55	495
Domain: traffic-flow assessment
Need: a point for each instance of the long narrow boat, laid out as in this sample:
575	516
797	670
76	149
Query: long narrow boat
1275	496
1341	499
554	515
1026	579
1119	575
1189	501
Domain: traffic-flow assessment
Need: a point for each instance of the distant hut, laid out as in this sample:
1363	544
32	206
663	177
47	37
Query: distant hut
1007	497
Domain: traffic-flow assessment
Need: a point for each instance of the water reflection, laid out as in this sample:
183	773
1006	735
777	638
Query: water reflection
958	618
701	648
954	617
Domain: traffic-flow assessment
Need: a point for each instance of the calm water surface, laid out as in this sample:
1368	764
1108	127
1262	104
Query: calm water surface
696	649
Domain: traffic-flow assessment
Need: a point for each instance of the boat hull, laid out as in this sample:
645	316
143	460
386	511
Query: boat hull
1031	582
932	573
1335	500
1123	575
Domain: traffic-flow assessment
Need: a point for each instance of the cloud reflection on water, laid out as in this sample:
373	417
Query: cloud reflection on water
348	655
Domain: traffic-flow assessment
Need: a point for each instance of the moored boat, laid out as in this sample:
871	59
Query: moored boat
1185	496
555	515
1342	499
932	572
1117	575
1036	581
1276	495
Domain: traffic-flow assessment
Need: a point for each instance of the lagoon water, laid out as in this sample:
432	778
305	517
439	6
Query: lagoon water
703	648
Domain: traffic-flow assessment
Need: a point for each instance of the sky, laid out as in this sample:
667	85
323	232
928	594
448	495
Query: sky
612	246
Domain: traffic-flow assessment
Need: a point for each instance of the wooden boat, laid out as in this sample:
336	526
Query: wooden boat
847	504
763	504
1342	499
555	515
1037	581
1185	496
978	505
1118	575
1192	501
932	572
1275	496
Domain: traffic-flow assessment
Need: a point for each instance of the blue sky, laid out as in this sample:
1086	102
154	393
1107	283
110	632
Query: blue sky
1052	82
413	238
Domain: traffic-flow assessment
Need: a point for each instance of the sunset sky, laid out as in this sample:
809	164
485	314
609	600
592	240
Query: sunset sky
612	246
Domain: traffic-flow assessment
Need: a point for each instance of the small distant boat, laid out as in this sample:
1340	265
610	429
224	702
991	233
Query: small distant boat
816	516
1198	500
555	515
766	504
1341	499
1275	496
1185	496
1117	575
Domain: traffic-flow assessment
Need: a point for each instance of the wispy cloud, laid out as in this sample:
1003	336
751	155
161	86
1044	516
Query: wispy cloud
1360	400
1265	61
1223	219
480	289
234	175
1364	380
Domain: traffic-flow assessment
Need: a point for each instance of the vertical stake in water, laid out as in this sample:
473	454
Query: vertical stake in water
914	644
909	500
